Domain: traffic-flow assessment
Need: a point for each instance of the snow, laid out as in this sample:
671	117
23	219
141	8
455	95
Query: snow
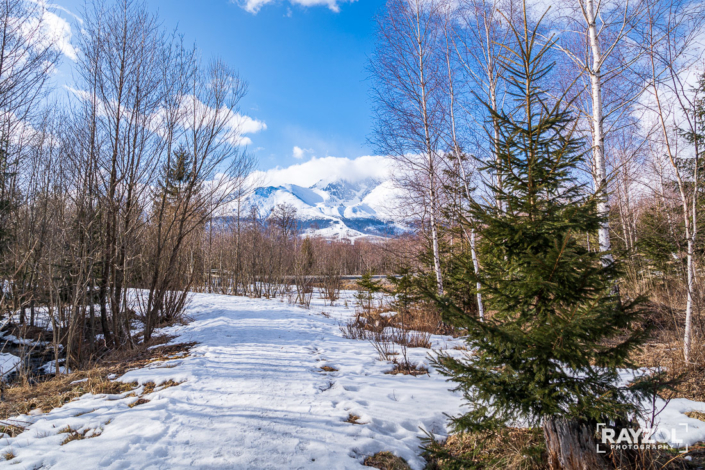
22	341
674	427
50	367
8	363
253	396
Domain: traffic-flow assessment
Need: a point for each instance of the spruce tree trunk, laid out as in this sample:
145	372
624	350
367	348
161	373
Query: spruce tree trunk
571	445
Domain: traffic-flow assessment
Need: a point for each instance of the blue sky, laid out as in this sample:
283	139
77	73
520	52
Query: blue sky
305	66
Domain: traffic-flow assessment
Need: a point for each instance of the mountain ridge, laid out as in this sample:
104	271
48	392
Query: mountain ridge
335	209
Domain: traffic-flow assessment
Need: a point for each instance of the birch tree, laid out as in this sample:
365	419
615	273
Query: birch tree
408	92
670	36
602	30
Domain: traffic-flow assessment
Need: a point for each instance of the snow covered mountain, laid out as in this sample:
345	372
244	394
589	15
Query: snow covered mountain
337	209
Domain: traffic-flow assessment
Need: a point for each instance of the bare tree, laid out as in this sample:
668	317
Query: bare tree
670	35
407	67
27	57
199	178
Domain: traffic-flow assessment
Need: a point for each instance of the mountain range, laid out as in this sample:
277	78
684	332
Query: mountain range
335	209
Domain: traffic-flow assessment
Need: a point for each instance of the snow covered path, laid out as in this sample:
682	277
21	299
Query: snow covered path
254	397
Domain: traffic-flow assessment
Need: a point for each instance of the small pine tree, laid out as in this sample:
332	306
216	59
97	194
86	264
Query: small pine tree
367	289
6	201
657	245
176	176
556	334
404	289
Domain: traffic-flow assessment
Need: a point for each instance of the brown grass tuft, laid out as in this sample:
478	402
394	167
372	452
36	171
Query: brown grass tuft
353	419
329	369
386	461
74	435
407	367
12	430
695	415
140	401
164	385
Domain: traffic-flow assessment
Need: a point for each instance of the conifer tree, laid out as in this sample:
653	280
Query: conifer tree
368	287
404	289
6	201
556	333
177	174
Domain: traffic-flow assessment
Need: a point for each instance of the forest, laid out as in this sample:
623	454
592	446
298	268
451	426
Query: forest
548	158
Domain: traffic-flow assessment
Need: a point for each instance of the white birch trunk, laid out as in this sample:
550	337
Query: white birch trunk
690	219
599	169
429	154
687	335
476	266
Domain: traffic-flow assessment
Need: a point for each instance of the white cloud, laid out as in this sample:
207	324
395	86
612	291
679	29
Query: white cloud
60	31
248	125
298	152
253	6
328	169
236	124
55	31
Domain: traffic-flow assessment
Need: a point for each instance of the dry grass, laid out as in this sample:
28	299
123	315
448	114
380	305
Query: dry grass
421	317
140	401
148	388
386	461
353	419
329	369
9	455
524	449
511	449
407	367
11	429
695	415
665	316
414	339
664	351
72	435
151	387
413	327
55	392
385	331
75	435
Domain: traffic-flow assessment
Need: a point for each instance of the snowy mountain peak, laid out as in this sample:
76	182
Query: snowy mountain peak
346	191
338	209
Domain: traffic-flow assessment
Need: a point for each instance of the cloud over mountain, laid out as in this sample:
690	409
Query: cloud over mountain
333	197
328	169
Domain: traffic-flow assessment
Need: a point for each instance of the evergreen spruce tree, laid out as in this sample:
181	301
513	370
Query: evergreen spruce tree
366	292
556	334
404	289
177	174
6	201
